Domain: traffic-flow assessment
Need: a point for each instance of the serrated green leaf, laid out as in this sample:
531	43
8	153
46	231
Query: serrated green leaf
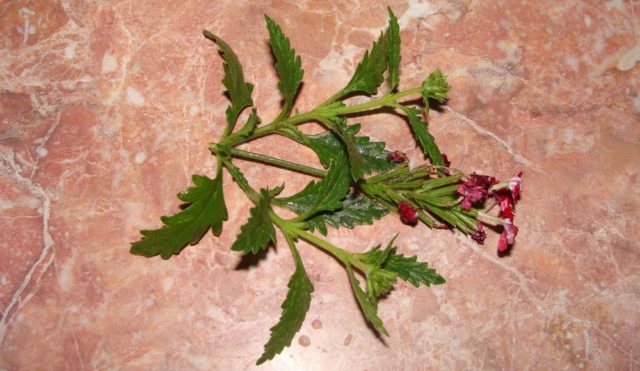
324	195
411	270
294	310
327	145
206	210
258	231
356	161
376	256
394	51
239	90
369	310
369	73
426	140
357	209
407	268
288	64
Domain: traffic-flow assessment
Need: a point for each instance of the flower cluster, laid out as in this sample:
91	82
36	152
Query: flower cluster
467	205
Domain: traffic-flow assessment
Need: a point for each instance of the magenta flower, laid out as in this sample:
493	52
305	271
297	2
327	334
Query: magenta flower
508	236
506	204
408	215
475	190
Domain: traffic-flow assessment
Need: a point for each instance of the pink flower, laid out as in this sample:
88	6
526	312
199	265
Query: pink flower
506	204
408	215
515	185
475	190
397	157
480	234
508	236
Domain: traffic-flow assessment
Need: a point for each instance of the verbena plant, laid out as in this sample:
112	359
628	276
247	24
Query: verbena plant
360	183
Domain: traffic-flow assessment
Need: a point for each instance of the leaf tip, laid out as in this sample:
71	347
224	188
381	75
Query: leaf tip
209	35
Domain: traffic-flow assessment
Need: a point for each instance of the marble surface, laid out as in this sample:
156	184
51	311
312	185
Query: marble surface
106	109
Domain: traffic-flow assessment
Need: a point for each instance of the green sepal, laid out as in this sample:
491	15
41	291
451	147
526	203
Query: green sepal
288	64
379	283
258	231
206	209
294	310
435	87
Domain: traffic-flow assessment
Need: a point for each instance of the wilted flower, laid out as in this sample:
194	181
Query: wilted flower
408	215
397	157
475	190
480	234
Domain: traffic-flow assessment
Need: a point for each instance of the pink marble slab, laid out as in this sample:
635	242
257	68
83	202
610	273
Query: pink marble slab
106	109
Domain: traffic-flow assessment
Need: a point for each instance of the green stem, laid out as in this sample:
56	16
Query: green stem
294	230
235	139
284	164
316	114
386	100
342	255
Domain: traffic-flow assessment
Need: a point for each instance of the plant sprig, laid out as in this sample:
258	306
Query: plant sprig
359	183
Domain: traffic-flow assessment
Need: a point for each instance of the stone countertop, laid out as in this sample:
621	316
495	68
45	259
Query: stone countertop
106	109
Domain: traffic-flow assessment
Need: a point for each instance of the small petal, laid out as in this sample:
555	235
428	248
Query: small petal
502	243
508	236
515	185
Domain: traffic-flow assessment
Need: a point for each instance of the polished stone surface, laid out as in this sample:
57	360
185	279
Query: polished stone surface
106	109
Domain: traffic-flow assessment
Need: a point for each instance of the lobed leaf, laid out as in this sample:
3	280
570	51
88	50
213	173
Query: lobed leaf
206	210
369	310
407	268
426	140
258	231
294	310
288	64
411	270
239	90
